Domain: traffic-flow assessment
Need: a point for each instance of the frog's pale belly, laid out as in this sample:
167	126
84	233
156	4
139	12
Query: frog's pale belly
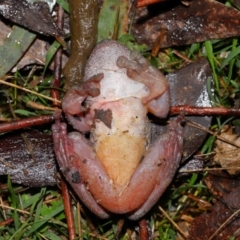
121	145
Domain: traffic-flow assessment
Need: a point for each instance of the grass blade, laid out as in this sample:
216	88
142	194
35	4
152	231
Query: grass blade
14	200
230	56
209	50
50	54
41	222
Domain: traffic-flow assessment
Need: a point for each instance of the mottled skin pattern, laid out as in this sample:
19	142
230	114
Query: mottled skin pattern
117	170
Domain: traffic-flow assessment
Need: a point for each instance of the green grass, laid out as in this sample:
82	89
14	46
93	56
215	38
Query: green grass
38	213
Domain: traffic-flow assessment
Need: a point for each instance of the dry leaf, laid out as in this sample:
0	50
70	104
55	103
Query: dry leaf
207	223
228	155
199	21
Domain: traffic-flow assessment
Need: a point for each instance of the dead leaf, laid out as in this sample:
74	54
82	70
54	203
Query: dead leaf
188	86
36	16
228	155
201	20
220	183
206	224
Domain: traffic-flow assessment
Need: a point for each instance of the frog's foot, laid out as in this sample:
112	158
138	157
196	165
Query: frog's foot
61	145
139	69
72	103
67	161
92	85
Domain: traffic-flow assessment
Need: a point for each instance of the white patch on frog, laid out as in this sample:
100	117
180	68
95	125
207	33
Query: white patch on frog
126	119
116	84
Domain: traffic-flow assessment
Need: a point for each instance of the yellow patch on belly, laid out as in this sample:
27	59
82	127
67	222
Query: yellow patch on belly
120	155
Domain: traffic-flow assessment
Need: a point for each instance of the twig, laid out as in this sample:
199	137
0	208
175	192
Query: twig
143	229
27	90
173	223
186	59
27	122
56	96
6	222
195	125
204	111
224	224
207	169
143	3
7	164
68	210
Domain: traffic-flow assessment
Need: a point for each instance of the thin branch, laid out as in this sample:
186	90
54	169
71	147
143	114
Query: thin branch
28	90
143	229
204	111
174	224
56	95
224	224
27	122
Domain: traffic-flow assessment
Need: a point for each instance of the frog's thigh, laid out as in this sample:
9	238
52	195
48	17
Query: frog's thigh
94	175
171	143
75	177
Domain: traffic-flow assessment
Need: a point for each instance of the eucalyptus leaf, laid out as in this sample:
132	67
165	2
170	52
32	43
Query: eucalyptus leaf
113	19
34	16
13	48
64	5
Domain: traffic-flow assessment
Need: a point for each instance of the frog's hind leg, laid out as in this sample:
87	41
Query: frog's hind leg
67	161
172	144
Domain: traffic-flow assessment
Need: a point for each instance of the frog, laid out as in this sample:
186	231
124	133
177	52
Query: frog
109	160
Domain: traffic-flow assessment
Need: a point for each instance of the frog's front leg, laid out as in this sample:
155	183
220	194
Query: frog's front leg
139	69
68	163
78	115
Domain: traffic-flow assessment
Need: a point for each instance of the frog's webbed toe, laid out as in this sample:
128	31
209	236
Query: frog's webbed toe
60	144
124	62
137	57
73	107
72	101
92	85
79	123
160	106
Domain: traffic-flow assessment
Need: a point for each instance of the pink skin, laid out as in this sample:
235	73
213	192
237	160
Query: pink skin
83	170
76	158
139	69
76	97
